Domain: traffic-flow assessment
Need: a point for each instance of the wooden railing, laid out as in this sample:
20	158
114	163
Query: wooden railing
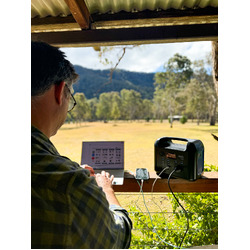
207	183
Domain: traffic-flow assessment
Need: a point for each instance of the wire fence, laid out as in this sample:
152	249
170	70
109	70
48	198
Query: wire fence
158	222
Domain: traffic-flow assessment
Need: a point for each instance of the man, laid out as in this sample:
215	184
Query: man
70	208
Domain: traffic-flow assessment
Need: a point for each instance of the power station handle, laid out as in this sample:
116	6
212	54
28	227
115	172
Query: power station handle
166	141
174	138
178	139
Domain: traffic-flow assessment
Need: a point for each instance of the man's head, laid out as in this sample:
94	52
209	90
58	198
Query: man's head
52	77
48	67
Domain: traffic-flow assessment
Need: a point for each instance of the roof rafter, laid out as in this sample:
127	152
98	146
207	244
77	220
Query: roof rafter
80	12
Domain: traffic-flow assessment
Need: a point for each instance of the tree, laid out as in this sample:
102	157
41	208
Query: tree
160	106
109	106
103	110
131	104
181	66
115	112
116	106
168	94
196	98
93	106
147	109
200	73
82	109
169	84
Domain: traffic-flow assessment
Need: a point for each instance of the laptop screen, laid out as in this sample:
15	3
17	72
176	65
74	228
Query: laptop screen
103	154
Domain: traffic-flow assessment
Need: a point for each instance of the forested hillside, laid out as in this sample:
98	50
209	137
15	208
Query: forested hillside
185	88
94	82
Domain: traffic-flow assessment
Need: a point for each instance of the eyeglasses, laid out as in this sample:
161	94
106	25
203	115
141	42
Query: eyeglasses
72	101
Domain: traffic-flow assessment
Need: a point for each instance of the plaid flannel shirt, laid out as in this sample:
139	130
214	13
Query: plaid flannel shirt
68	209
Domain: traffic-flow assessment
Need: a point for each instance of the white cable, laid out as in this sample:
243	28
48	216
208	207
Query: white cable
154	230
154	200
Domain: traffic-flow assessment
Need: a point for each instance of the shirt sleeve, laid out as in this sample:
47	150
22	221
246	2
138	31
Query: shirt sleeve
121	217
95	224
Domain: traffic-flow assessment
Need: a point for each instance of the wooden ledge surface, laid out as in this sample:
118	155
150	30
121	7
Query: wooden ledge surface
207	183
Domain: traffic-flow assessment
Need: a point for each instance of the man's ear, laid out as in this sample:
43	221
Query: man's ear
59	92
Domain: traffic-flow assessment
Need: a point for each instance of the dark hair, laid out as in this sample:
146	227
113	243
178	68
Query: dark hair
48	67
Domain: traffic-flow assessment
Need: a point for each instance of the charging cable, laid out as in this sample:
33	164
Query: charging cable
152	189
176	168
179	204
161	212
154	230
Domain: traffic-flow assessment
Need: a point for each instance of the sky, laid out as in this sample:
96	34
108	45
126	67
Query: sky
144	58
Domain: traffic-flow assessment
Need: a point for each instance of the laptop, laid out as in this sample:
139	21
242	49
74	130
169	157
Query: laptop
105	155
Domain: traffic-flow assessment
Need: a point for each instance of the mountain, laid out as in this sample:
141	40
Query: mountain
94	82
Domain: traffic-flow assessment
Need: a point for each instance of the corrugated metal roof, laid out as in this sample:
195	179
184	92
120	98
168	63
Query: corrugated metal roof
114	6
43	8
113	22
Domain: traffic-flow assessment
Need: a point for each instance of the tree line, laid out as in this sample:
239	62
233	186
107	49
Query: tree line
184	88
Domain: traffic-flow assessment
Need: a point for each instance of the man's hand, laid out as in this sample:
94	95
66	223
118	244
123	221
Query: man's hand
91	170
105	182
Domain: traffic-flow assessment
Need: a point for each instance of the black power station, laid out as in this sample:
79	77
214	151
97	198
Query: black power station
188	158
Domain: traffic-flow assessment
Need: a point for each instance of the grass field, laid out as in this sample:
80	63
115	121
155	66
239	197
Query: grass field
138	137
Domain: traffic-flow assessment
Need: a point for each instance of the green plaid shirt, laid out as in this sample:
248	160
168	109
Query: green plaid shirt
68	209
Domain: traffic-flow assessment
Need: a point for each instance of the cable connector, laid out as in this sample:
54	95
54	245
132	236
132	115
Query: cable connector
141	174
178	168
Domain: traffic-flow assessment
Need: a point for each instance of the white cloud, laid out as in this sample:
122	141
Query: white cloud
85	57
145	58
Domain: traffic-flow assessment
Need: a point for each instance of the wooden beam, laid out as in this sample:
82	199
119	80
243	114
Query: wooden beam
147	35
208	183
80	12
153	22
54	24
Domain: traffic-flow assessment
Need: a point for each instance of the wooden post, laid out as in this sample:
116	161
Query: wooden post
215	64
